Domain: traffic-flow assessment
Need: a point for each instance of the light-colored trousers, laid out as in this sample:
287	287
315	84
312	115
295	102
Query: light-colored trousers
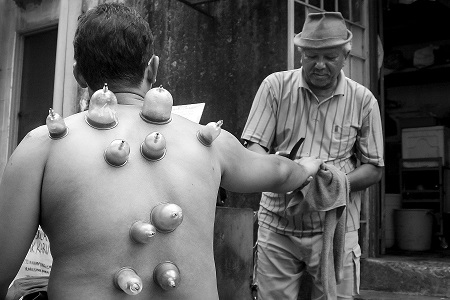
282	259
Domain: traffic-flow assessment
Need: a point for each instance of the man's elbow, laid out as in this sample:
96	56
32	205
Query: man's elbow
377	174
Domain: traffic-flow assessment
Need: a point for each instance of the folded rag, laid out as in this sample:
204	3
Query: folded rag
329	192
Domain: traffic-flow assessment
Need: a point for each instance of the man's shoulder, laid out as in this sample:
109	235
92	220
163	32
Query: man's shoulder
38	135
361	91
356	85
31	153
284	77
285	73
38	141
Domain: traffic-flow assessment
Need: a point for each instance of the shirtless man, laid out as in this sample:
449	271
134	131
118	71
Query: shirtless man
86	206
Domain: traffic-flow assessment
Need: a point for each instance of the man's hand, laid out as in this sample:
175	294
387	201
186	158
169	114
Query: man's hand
307	181
311	166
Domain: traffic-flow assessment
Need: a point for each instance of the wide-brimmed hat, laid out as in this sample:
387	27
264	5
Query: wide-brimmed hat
323	30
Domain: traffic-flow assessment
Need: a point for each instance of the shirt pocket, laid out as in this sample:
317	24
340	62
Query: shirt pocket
342	140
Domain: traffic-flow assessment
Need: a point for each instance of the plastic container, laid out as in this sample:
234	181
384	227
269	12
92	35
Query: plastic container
425	142
446	224
413	229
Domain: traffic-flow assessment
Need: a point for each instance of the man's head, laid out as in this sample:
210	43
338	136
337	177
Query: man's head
324	45
112	44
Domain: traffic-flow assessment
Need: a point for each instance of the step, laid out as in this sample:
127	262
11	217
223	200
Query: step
409	275
377	295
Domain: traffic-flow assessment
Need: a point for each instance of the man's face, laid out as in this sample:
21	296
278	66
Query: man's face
322	66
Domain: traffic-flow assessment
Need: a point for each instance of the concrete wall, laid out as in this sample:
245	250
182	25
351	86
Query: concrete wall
218	56
219	60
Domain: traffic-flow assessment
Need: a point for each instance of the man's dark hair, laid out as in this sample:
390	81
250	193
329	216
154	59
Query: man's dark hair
112	43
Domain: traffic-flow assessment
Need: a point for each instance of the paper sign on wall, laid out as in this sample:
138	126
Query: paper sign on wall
191	112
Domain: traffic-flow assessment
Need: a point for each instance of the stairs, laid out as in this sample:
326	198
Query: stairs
405	277
377	295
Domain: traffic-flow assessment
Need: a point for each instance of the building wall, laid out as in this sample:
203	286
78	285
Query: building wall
221	59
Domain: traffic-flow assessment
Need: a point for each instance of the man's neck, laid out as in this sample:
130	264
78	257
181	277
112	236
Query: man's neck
126	94
129	98
323	94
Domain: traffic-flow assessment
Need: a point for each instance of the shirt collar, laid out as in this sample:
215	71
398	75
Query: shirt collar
340	87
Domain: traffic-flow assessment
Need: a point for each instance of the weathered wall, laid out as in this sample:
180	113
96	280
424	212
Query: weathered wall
219	60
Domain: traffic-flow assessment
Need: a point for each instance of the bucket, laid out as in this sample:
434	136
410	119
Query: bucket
413	229
446	224
391	202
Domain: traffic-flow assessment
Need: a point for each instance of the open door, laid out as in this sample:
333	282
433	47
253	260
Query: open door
38	75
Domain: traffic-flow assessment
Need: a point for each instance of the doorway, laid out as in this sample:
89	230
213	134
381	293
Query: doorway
38	76
417	114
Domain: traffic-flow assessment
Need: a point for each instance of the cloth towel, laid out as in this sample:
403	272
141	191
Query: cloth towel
329	191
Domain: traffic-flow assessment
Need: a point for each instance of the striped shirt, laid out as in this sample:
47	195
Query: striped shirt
340	130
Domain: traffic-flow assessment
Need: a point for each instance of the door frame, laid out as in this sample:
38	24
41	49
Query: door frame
17	78
65	86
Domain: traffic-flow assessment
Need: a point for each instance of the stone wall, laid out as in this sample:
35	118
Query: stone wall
218	55
219	58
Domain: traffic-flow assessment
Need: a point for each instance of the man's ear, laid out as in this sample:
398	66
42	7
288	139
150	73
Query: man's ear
152	69
78	77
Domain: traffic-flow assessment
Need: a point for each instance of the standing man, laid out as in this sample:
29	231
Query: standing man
340	121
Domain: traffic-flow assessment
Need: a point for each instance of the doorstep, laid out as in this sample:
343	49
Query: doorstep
409	275
380	295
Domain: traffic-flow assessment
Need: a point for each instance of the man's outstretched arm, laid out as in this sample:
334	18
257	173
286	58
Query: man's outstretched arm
20	190
247	171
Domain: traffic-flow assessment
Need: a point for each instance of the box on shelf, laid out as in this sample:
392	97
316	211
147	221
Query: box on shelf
425	142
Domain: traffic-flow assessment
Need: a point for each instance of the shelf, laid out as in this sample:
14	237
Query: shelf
422	164
421	197
415	191
422	200
413	76
424	187
415	169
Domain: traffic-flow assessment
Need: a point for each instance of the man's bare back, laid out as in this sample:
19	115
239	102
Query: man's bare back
88	207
